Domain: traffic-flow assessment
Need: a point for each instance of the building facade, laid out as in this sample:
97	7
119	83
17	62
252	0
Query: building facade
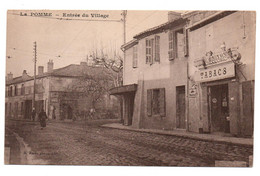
54	93
222	66
155	76
195	72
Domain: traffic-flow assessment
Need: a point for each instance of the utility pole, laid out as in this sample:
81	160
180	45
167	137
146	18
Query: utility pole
34	80
124	24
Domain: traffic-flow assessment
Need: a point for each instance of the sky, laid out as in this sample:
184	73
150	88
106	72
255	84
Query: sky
69	41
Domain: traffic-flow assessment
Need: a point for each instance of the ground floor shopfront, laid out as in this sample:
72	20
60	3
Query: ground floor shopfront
224	104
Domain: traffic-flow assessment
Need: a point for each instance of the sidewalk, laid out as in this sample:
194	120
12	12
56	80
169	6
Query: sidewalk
185	134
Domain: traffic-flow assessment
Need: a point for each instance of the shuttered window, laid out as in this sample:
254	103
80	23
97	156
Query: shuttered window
156	102
135	57
171	46
162	103
157	49
178	43
148	44
186	46
153	50
149	102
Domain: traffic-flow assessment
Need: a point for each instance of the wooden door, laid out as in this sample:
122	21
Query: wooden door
180	107
219	108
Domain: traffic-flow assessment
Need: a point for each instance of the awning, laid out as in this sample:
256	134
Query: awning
123	89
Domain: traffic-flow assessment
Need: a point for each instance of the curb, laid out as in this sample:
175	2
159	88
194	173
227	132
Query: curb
179	135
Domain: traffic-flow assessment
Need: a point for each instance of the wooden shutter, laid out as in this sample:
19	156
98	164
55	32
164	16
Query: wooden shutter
157	49
152	51
248	113
171	51
185	44
148	50
134	56
162	104
149	102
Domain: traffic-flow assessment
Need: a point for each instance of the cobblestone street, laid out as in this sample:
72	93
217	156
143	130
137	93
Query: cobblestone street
68	143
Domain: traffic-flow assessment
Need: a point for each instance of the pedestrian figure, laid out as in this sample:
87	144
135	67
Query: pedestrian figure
42	118
33	114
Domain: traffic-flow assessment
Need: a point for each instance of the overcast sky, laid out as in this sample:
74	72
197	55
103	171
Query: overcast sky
72	40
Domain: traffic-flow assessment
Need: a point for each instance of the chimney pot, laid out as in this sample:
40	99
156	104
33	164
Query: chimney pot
50	66
173	16
40	70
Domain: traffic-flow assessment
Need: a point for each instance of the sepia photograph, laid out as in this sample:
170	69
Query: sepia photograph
130	88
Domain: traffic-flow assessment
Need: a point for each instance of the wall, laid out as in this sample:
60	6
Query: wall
165	74
237	31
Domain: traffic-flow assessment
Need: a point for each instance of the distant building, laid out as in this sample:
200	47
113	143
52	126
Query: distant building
194	72
53	93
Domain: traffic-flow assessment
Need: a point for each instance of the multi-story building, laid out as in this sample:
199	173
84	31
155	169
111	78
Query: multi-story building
155	76
221	72
55	92
195	72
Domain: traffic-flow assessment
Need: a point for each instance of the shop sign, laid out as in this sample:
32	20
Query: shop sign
193	90
222	71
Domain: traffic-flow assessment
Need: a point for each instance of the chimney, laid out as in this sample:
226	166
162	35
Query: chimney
40	70
9	76
24	75
50	66
173	16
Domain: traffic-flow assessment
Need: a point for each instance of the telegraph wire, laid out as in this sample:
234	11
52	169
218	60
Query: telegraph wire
62	53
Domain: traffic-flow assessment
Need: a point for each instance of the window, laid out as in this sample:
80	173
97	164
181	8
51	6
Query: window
11	91
135	56
153	50
15	90
156	102
148	44
22	89
178	43
21	108
171	46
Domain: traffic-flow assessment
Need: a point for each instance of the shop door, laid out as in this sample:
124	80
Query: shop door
180	107
219	108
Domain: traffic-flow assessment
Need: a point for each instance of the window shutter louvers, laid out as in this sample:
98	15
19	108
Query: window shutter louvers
186	44
149	102
171	46
157	48
162	103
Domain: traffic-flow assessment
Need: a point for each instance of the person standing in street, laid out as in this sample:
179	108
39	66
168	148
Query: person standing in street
33	114
42	118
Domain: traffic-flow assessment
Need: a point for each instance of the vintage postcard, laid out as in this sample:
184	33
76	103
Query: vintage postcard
130	88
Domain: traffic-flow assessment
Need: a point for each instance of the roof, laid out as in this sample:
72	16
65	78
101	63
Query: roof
129	44
154	30
72	70
160	28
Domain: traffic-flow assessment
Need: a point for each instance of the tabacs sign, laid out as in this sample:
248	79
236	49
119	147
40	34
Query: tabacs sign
222	71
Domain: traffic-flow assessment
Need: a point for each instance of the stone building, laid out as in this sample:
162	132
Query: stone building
194	72
155	76
222	71
53	93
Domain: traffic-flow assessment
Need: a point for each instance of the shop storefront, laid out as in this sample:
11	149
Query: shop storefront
223	97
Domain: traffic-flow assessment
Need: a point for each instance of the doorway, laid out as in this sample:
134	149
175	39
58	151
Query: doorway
219	108
129	108
180	107
28	109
